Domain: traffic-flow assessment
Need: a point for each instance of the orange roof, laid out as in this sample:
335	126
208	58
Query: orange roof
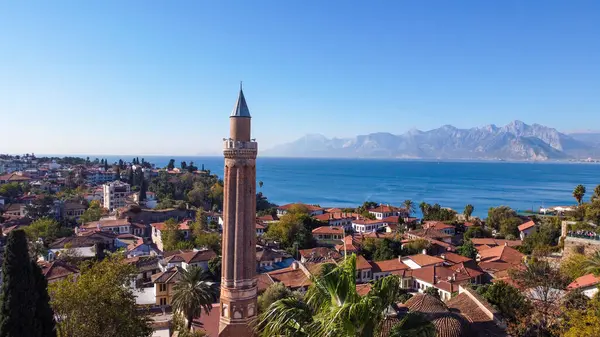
437	225
335	216
388	266
333	210
290	277
362	263
425	260
107	223
527	225
454	258
366	222
161	225
328	230
319	253
501	253
384	209
311	208
268	217
584	281
495	242
363	289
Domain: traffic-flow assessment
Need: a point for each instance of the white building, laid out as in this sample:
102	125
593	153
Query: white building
115	194
366	225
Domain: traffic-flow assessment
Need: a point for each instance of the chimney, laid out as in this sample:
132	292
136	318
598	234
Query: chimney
98	225
443	256
505	243
424	252
295	265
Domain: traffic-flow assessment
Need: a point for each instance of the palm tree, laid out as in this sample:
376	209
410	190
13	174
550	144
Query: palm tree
468	211
578	193
409	206
592	265
413	324
331	306
424	208
596	195
194	292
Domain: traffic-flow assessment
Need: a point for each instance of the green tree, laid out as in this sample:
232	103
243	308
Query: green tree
171	235
193	293
468	211
183	165
97	304
409	205
93	213
468	250
209	240
433	292
331	306
18	295
496	215
214	266
592	265
509	300
596	195
574	266
260	184
11	190
510	226
40	207
171	164
579	193
583	322
272	294
476	232
415	247
143	189
413	324
44	323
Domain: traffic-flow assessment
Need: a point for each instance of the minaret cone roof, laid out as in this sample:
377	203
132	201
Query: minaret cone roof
241	108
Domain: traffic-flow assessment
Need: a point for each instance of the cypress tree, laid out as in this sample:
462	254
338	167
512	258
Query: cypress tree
143	189
18	299
44	323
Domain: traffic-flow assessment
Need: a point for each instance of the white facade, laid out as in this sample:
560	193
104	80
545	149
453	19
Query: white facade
367	226
115	194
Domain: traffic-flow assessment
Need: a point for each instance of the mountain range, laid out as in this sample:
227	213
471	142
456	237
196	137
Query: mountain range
514	141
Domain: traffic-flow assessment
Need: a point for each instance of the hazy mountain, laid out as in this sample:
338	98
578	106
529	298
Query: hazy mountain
514	141
591	138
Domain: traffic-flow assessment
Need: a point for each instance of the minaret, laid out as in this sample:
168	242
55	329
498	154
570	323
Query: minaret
238	278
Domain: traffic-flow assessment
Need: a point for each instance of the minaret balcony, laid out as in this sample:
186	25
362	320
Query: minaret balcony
238	144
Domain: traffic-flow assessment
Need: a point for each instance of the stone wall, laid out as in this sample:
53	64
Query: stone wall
583	246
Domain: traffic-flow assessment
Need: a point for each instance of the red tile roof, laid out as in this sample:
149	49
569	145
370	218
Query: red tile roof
319	253
454	258
328	230
527	225
366	222
495	242
190	256
335	216
268	217
363	289
57	270
184	225
392	265
291	277
362	263
424	260
384	209
106	223
584	281
209	323
437	225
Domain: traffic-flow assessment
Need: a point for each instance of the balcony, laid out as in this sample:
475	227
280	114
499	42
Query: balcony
236	144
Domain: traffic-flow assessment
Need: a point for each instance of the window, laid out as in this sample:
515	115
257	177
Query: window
162	287
163	301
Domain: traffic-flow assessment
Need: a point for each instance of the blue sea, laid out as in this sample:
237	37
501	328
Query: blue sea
349	182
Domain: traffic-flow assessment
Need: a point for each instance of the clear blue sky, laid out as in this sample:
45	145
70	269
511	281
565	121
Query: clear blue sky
161	77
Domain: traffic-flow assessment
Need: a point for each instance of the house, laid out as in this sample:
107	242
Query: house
382	269
439	242
587	284
446	279
268	219
72	210
348	245
164	283
186	259
115	194
338	219
421	260
364	270
484	320
440	226
382	211
498	260
260	229
15	210
158	228
487	243
57	270
366	225
77	246
136	246
268	259
327	233
294	277
318	254
446	323
312	210
117	226
526	229
13	178
146	267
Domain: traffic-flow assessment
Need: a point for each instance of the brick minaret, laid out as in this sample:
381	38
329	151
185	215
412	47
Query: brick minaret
238	278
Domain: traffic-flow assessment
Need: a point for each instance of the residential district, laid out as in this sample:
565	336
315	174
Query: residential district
195	255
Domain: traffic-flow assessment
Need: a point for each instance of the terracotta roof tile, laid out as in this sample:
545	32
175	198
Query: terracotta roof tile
388	266
424	260
363	289
584	281
362	263
527	225
328	230
290	277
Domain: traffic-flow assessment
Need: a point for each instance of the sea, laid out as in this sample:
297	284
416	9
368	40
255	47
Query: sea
349	182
